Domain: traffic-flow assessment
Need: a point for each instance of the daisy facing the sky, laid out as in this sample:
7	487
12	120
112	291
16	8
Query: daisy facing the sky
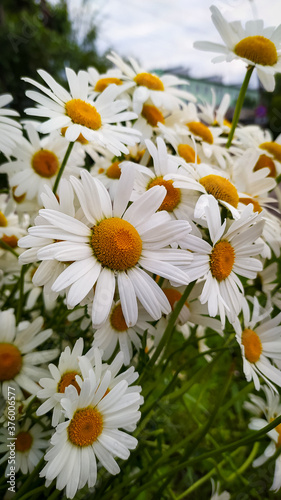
92	432
94	120
255	45
115	243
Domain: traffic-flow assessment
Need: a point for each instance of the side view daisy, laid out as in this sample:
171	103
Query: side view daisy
259	339
115	243
91	432
255	45
95	120
10	129
18	358
264	411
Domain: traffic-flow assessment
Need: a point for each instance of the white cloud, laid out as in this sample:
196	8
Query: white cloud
160	33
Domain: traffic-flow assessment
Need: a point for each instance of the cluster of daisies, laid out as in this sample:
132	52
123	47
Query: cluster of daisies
123	191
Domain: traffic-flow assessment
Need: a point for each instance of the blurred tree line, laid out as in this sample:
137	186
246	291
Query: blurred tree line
36	34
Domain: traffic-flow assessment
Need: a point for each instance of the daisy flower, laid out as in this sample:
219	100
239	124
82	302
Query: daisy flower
81	115
265	411
63	375
37	164
163	91
30	440
213	115
10	228
114	243
115	331
178	203
228	255
18	357
91	433
268	151
255	45
98	82
10	129
259	339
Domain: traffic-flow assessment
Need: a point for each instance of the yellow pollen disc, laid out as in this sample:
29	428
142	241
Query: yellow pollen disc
187	153
10	361
173	196
114	171
11	241
152	115
117	319
227	123
66	380
116	244
80	137
221	260
173	296
258	49
220	188
152	82
104	82
247	201
83	113
18	199
45	163
85	427
273	148
278	429
3	220
101	170
252	345
24	441
201	130
265	161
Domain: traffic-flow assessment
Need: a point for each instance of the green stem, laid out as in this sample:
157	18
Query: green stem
245	465
62	167
25	486
8	248
169	329
239	104
33	492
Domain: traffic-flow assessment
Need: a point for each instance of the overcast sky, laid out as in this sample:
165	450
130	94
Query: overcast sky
160	33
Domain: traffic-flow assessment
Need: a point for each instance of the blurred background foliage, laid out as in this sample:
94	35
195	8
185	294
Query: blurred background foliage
36	34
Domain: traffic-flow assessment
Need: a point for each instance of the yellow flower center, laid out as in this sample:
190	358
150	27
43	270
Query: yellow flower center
221	260
24	441
85	427
255	203
66	380
10	361
220	188
83	113
258	49
11	241
252	345
278	429
173	296
18	199
3	220
273	148
152	82
201	130
265	161
114	171
173	196
117	319
45	163
116	244
80	137
187	153
152	115
102	83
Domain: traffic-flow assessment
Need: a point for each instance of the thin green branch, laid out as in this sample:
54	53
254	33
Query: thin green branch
62	167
